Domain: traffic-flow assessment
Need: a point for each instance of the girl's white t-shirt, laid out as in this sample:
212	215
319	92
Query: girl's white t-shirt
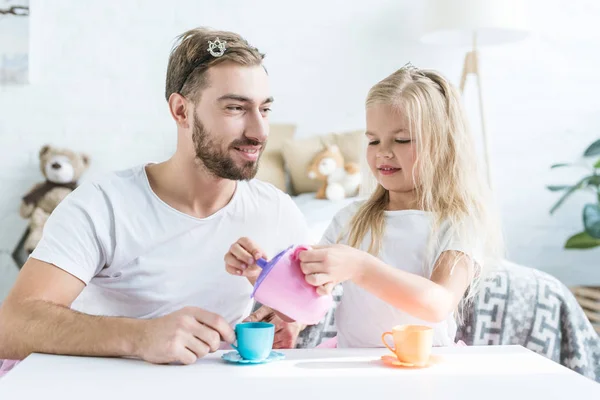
361	317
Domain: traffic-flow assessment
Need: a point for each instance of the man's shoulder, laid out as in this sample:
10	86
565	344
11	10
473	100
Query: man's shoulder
129	178
266	191
265	197
107	186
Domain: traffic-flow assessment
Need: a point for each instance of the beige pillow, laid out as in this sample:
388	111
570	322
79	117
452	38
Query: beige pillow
271	166
298	154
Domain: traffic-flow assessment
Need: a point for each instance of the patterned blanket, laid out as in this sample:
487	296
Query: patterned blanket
516	305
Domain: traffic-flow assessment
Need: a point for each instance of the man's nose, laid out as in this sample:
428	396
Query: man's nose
258	128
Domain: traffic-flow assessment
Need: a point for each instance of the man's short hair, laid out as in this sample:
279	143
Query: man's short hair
190	59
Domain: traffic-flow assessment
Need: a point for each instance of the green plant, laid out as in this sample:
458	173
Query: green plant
590	237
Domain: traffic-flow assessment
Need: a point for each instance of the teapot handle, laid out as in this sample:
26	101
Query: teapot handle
297	251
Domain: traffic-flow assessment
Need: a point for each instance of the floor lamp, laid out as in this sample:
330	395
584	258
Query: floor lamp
474	23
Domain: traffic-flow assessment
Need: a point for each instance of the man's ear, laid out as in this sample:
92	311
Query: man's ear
180	109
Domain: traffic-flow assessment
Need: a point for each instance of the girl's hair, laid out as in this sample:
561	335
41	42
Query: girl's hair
450	185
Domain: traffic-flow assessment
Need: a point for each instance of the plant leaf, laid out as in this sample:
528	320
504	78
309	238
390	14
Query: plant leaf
582	241
594	180
591	220
558	188
597	165
593	150
560	165
569	192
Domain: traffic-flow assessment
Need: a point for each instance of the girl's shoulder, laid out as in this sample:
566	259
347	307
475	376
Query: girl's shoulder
346	213
341	222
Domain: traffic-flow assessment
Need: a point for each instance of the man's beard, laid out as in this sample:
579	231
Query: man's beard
218	162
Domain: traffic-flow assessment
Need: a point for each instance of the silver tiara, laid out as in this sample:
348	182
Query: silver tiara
216	48
409	66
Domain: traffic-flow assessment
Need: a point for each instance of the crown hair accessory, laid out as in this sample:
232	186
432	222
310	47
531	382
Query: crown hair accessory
216	48
409	66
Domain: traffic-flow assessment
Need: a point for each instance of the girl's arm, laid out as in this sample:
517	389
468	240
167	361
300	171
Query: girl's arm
430	300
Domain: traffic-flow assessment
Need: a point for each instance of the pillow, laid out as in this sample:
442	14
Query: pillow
298	154
271	166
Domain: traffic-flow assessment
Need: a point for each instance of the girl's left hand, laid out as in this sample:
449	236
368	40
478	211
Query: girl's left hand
326	266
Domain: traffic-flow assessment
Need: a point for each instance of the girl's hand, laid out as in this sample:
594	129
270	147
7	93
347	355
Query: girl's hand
326	266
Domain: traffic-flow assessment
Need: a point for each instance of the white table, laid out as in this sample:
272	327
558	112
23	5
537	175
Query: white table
490	372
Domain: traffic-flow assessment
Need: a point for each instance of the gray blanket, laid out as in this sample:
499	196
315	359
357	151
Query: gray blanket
517	305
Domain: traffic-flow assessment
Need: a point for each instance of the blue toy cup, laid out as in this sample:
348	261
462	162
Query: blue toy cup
254	340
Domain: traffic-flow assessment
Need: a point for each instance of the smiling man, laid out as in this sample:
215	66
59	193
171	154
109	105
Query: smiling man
132	264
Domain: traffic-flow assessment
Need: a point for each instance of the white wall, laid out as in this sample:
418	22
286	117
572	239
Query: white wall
98	68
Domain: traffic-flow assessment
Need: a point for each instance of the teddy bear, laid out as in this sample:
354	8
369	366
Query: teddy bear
62	169
339	179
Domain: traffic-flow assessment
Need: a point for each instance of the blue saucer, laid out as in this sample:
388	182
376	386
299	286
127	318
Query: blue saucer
234	357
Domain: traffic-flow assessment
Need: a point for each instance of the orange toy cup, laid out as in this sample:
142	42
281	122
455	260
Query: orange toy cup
412	343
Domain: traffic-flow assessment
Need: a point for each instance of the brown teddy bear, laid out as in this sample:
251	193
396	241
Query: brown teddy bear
340	179
62	169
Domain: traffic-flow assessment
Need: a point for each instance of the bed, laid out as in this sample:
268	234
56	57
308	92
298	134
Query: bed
319	213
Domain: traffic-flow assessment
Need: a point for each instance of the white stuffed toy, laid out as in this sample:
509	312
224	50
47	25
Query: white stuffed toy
340	179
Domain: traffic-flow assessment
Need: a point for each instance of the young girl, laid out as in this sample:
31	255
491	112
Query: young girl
416	250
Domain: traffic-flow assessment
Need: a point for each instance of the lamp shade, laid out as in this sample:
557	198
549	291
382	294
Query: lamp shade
454	22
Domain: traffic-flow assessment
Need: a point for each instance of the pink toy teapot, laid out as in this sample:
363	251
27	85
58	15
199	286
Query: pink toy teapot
281	286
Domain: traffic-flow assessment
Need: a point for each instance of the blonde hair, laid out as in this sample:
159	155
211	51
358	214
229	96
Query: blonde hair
450	185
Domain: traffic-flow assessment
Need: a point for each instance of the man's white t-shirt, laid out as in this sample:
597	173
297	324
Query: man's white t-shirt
141	258
361	317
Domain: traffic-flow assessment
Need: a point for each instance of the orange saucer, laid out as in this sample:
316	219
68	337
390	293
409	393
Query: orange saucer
392	361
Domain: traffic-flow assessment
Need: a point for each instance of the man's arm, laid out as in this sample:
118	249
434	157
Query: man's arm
36	317
286	333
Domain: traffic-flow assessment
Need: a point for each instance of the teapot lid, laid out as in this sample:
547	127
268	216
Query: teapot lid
267	266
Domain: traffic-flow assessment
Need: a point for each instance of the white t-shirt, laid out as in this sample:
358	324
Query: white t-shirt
362	317
141	258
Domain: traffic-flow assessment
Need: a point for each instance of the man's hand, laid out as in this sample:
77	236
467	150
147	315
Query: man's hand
183	336
286	333
241	259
